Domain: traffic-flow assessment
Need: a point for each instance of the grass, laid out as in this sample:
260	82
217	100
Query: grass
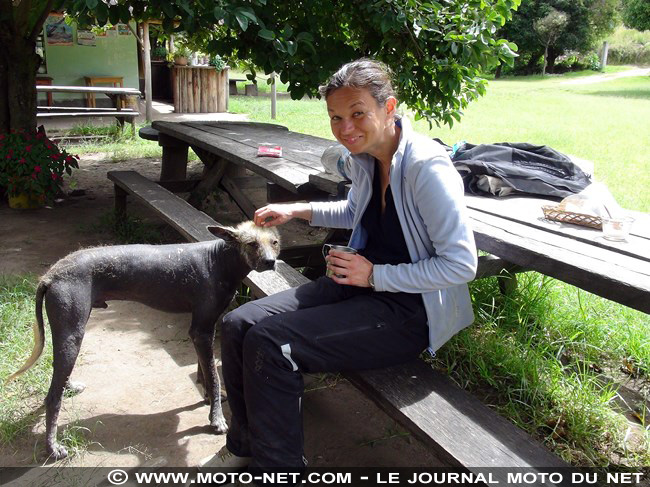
20	398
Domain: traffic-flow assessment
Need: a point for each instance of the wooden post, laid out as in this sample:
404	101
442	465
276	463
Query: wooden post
603	56
189	83
227	87
175	87
274	95
213	106
196	89
206	94
147	70
174	158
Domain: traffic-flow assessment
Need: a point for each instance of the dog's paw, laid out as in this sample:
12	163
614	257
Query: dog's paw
56	452
220	425
74	388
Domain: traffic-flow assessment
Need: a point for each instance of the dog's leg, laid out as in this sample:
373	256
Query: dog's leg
67	322
202	335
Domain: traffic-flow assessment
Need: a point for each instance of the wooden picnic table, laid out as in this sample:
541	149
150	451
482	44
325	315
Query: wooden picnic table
512	228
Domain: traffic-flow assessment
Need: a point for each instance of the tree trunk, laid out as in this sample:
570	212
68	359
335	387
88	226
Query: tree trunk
497	73
552	56
545	60
18	65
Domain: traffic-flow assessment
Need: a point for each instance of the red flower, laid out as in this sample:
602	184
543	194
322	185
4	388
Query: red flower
28	148
33	175
69	159
54	176
37	169
55	156
22	160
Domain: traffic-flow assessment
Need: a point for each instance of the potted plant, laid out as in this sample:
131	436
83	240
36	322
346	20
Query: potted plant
32	167
158	53
181	56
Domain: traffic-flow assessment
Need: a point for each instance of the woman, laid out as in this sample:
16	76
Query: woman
405	289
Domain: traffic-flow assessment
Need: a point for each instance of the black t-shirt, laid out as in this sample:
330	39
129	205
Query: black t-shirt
386	244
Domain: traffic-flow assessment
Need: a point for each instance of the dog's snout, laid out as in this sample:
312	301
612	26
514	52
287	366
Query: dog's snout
268	264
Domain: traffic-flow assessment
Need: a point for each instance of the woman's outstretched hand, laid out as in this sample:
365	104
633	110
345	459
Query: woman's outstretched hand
278	214
356	268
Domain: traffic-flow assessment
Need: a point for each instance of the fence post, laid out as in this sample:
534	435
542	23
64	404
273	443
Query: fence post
274	95
603	56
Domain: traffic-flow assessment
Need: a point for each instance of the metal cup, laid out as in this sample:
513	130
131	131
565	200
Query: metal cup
340	248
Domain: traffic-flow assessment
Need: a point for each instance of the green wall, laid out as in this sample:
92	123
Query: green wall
112	56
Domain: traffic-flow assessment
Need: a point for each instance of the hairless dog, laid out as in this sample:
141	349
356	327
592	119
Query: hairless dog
200	278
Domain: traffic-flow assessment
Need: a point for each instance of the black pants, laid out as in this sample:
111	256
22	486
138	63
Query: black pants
320	326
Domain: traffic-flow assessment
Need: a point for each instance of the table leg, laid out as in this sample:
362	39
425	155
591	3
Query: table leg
120	205
174	158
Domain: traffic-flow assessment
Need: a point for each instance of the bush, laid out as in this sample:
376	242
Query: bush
629	46
31	163
574	61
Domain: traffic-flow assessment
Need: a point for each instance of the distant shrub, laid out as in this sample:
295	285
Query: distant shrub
629	46
574	61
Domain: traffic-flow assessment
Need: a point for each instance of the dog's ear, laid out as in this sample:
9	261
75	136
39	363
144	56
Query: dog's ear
225	233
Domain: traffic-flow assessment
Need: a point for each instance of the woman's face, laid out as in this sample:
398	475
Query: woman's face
358	122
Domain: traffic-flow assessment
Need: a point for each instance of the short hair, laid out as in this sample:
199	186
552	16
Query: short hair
363	73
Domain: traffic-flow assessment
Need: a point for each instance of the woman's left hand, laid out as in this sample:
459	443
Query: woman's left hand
356	268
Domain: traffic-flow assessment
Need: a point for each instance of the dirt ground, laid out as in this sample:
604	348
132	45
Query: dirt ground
141	406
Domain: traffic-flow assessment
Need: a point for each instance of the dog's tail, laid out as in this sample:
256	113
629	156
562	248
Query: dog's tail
39	333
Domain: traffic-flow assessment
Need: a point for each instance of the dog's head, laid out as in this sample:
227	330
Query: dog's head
258	246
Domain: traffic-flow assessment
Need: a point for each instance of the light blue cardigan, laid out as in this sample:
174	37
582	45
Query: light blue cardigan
429	198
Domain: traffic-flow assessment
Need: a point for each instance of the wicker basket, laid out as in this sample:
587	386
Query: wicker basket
558	215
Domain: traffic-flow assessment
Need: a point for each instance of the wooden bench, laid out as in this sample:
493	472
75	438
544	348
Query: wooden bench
250	89
461	430
116	94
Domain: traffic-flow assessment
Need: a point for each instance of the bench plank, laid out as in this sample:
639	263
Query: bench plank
109	90
125	114
461	429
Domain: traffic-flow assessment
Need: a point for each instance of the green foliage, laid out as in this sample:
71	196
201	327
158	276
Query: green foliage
629	46
588	22
31	163
636	14
159	52
218	62
438	50
182	51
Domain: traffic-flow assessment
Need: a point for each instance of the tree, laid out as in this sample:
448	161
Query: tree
588	21
548	29
636	14
437	49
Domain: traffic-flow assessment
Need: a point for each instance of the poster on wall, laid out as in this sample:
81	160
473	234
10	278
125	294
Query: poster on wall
123	30
86	38
57	32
